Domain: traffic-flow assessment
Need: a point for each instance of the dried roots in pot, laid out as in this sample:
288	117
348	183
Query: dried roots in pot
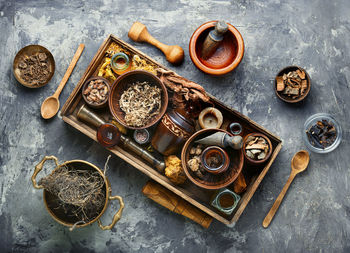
80	193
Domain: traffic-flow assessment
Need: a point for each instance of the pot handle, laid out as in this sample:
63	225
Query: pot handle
116	217
39	167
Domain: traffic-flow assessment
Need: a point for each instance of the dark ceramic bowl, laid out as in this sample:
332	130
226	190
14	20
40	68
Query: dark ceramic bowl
289	99
122	83
28	51
227	56
253	161
222	156
104	102
212	181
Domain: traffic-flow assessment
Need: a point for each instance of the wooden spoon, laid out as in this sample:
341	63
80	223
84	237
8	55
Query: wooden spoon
51	105
299	163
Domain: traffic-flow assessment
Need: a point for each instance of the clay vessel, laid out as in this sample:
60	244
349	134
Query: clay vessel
268	155
222	159
227	56
172	132
211	181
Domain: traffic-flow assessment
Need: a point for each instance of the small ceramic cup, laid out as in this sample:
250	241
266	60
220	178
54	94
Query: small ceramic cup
215	160
235	128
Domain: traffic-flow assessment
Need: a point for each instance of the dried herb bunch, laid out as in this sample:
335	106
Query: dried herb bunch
80	193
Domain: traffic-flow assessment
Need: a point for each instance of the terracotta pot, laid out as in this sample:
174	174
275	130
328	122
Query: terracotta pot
227	56
57	214
171	133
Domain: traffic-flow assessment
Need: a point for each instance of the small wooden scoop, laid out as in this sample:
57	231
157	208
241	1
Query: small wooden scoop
51	105
139	33
300	162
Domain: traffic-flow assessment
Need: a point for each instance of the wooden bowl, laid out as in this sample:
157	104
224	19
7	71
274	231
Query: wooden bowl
26	52
227	56
122	83
286	98
213	181
103	103
252	161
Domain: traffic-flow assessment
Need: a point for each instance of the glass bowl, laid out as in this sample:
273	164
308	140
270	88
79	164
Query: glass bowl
312	121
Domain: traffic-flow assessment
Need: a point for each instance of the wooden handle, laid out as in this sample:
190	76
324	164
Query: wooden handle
139	33
69	70
174	203
278	201
213	39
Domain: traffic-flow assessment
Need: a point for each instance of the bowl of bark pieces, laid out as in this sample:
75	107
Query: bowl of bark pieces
292	84
96	91
33	66
257	148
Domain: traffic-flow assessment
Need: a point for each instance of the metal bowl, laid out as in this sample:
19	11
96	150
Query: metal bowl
58	214
26	52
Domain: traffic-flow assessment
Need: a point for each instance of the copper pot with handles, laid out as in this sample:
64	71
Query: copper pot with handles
58	215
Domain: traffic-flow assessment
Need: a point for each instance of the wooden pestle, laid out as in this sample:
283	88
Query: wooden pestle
139	33
213	39
174	203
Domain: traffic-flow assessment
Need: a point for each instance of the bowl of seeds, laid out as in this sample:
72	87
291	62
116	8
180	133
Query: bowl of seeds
257	148
322	133
33	66
96	91
292	84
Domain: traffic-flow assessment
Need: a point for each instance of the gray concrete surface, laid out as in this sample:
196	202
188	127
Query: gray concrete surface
315	215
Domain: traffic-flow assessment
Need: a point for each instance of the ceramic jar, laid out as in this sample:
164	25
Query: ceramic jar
172	132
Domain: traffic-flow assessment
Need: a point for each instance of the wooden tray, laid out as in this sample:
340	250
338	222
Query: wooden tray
198	197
